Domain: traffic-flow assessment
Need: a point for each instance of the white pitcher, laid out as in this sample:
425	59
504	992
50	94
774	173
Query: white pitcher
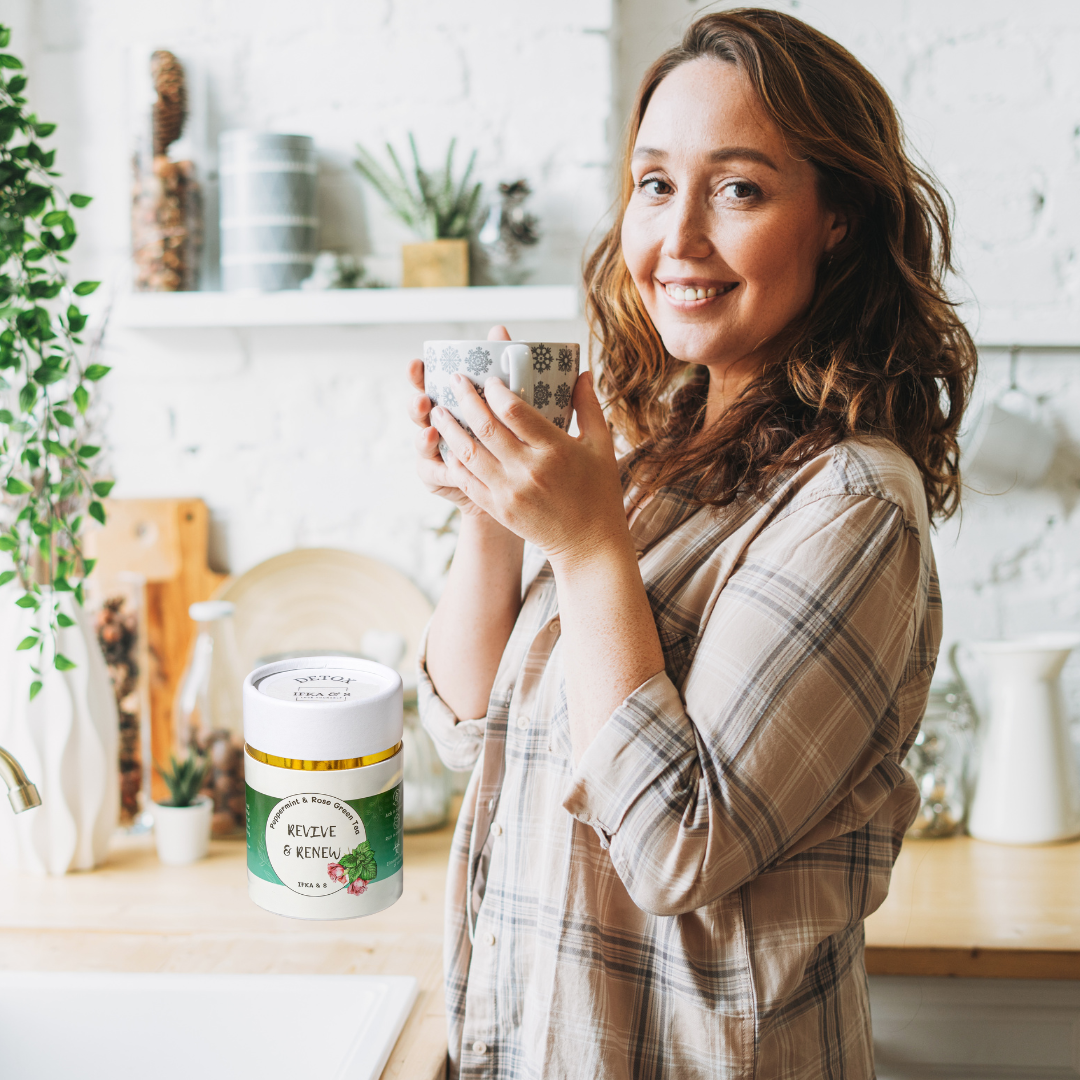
1028	791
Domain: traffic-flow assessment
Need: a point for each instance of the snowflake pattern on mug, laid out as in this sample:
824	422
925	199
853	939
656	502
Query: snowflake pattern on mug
562	395
429	360
478	361
559	422
449	360
541	358
566	360
447	399
541	395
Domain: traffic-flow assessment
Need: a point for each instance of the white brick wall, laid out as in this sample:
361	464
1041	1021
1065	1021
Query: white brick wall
297	437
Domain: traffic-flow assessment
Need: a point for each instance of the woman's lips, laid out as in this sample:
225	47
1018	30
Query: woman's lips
690	294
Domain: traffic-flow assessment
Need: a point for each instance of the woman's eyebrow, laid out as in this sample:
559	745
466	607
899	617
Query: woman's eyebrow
717	157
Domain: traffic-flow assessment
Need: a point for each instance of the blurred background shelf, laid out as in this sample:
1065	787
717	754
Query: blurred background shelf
347	307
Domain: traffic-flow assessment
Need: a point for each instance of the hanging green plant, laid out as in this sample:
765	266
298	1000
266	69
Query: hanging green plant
47	477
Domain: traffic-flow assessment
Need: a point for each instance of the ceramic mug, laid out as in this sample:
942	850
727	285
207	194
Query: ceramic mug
1007	442
539	372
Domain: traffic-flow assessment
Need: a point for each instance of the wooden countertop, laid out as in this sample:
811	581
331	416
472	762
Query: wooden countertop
134	914
956	907
966	907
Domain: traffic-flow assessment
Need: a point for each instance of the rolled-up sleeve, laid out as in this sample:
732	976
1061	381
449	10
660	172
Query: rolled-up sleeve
457	741
788	715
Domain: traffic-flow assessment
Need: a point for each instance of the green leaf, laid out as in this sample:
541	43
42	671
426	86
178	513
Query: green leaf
360	863
6	576
81	200
85	288
8	543
65	620
81	398
43	131
15	486
9	61
28	395
47	374
96	371
97	512
27	642
64	417
62	663
88	566
35	687
103	487
54	217
5	416
61	584
27	600
88	451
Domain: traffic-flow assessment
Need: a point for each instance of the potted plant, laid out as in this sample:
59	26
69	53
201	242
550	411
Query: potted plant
182	825
57	710
445	213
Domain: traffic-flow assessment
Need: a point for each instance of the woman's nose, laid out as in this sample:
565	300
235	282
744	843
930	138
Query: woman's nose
687	235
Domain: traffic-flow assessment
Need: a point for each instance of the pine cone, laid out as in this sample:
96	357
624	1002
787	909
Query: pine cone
170	109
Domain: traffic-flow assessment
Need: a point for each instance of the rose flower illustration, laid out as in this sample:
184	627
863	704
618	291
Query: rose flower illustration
336	872
358	887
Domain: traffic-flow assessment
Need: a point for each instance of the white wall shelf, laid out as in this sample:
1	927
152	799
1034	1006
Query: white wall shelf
347	307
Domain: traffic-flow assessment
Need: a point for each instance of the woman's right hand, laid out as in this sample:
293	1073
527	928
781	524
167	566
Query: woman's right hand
430	466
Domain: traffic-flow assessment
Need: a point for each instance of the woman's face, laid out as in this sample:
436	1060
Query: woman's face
725	228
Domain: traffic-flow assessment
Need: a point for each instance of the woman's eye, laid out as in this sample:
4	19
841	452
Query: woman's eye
654	186
741	189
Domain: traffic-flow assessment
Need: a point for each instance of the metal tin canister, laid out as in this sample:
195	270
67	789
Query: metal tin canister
323	770
268	218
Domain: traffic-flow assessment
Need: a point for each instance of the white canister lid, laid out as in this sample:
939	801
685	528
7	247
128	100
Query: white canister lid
322	708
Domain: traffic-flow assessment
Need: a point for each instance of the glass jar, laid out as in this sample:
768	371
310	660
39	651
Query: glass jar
209	714
940	761
426	790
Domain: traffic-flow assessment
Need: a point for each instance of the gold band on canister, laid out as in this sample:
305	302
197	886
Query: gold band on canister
321	766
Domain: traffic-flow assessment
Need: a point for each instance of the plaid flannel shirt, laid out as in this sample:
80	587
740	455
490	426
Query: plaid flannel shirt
688	901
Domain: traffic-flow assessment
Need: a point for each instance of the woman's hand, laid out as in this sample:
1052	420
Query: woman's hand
561	493
430	466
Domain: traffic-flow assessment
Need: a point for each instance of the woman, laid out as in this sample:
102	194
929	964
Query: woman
687	708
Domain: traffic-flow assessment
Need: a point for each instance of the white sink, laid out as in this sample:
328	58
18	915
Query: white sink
175	1027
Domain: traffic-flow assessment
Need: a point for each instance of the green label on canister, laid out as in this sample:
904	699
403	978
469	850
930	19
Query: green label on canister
317	844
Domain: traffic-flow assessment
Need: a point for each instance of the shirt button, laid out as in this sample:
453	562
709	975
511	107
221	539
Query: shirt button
490	939
641	554
554	626
491	803
496	829
523	722
479	1048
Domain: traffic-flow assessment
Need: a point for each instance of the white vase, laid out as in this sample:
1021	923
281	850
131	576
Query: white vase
66	740
1028	790
182	833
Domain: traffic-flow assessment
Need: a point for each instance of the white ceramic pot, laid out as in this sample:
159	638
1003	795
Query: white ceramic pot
182	833
1028	789
66	740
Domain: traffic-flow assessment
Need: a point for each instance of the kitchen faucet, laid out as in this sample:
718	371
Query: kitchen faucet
21	793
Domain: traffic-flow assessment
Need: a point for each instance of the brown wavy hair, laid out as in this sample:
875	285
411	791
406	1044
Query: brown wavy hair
879	350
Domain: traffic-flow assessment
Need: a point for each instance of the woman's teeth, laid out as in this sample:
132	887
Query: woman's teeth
677	293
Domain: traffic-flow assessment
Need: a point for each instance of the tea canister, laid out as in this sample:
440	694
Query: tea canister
323	770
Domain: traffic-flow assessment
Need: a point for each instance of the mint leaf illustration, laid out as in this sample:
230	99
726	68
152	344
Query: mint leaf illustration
360	863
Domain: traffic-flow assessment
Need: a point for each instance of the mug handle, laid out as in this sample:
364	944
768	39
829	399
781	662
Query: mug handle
516	361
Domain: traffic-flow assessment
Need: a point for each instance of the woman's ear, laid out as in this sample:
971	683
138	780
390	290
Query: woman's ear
839	228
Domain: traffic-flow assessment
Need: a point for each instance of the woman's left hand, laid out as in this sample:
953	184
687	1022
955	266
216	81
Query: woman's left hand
559	492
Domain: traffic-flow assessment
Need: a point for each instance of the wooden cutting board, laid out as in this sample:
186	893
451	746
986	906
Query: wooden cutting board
164	541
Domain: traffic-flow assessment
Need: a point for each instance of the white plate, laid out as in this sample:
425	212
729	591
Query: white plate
320	599
56	1025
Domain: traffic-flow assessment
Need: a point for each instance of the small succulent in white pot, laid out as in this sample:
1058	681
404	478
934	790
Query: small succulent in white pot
182	825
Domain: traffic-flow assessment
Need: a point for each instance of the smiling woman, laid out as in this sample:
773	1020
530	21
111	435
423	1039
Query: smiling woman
688	703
